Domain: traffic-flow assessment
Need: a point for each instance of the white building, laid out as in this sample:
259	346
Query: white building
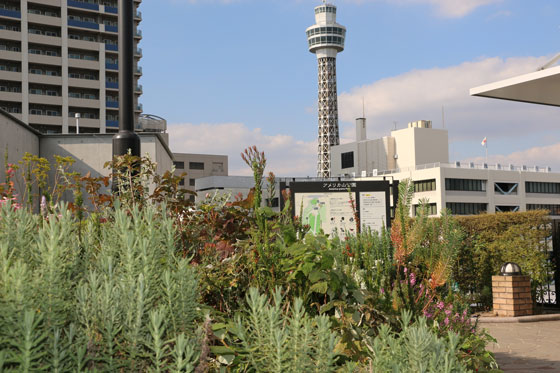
420	153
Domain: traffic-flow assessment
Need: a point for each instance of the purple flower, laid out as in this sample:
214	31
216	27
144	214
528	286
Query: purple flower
446	321
382	291
447	312
412	279
428	314
440	305
405	269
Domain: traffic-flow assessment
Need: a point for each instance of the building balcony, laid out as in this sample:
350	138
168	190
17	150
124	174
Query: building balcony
110	28
138	52
83	64
84	122
44	20
83	5
111	9
138	34
83	24
43	59
10	75
83	44
46	40
112	85
10	96
83	83
111	66
83	102
45	79
112	104
10	35
138	15
12	56
138	70
10	13
45	120
139	89
112	123
45	100
139	108
112	47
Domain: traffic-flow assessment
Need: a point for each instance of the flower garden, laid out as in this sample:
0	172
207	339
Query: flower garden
142	280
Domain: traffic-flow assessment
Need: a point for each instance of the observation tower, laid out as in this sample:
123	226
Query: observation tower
326	39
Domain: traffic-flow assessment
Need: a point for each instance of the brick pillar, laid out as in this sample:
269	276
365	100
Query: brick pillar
512	295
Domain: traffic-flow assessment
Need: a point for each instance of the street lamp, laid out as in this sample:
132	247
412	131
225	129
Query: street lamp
77	116
126	139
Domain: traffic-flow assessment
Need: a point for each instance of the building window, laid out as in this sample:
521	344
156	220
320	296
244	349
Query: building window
347	159
506	189
182	182
467	185
191	182
507	208
552	209
179	165
424	185
432	209
539	187
458	208
196	165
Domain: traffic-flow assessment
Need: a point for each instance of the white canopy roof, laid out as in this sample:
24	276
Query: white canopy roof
541	87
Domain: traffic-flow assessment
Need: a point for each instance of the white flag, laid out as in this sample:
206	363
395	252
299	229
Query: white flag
483	143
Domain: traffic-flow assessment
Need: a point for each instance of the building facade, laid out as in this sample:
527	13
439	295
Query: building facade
197	166
59	63
420	153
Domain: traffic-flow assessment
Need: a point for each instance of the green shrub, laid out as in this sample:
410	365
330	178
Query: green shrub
491	240
415	349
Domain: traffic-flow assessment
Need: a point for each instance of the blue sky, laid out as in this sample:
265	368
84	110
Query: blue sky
234	73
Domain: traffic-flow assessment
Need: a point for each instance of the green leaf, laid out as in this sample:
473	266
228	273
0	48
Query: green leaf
317	275
319	287
221	350
226	359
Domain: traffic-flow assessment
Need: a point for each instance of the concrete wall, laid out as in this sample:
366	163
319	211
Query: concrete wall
211	163
16	138
92	151
417	146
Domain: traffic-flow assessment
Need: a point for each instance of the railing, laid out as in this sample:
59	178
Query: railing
138	52
138	14
469	165
139	70
139	88
112	123
547	294
10	13
83	24
114	85
111	66
112	104
111	47
138	33
83	5
151	123
139	107
111	28
111	9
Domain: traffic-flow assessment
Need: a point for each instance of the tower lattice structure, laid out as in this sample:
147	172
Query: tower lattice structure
326	40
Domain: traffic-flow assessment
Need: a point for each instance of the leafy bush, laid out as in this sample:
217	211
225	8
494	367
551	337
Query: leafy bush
415	349
118	298
491	240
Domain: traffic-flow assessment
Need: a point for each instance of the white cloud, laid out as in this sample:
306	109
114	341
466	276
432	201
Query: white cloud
444	8
286	156
420	94
543	156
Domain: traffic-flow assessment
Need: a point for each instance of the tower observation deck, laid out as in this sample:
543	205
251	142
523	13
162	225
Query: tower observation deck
326	40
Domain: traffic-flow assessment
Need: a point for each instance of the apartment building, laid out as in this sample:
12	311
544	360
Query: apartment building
59	61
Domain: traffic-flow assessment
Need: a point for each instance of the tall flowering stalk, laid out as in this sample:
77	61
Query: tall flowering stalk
257	161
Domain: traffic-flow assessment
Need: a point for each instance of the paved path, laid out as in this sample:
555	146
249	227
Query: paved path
526	347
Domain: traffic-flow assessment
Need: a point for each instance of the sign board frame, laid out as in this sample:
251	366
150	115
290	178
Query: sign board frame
343	187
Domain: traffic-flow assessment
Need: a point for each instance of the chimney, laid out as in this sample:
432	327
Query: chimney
361	133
